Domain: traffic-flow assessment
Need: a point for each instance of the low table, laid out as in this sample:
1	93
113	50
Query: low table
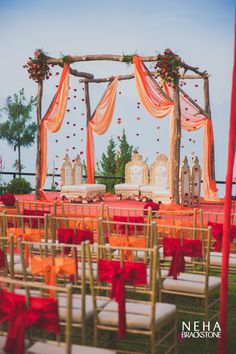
83	191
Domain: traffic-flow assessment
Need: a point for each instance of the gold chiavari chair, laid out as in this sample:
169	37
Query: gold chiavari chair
215	220
39	341
191	280
88	212
129	234
38	207
51	262
133	301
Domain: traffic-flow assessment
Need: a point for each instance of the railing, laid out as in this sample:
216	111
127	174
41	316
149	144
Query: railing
15	174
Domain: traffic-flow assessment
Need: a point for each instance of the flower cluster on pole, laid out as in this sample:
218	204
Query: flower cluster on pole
167	66
37	67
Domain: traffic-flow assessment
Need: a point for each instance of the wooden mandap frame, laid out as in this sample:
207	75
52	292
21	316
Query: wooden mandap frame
88	78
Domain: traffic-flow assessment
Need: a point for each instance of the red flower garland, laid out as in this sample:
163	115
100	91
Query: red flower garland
8	199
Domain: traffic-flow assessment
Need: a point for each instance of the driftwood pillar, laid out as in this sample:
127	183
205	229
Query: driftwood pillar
88	116
208	111
87	101
38	156
177	141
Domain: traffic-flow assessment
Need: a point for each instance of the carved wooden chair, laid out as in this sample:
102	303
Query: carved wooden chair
136	174
158	188
71	181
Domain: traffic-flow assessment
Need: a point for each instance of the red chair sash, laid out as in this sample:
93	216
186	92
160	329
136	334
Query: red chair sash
42	312
71	236
217	233
34	222
2	259
129	219
133	273
177	250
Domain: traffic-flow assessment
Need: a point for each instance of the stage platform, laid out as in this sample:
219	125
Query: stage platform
111	201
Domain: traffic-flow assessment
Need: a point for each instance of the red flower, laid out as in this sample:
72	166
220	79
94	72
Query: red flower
152	205
8	199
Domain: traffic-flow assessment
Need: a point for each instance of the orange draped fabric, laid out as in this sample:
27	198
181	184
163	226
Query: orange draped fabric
50	268
52	122
99	123
27	235
192	120
127	241
159	107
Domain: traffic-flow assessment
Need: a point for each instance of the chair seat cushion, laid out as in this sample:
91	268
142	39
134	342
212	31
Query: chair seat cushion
77	306
159	192
216	259
127	187
137	314
84	188
191	283
46	348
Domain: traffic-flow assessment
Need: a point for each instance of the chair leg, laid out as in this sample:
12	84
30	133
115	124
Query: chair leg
95	336
83	330
206	308
153	342
175	337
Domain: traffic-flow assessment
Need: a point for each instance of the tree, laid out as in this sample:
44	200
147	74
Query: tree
113	161
125	151
17	130
107	165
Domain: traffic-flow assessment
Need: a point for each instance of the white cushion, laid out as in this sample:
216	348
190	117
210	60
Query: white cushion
216	259
158	192
87	270
127	187
191	283
137	314
84	188
40	348
77	306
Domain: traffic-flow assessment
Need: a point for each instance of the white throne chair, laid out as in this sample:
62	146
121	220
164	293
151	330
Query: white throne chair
72	186
136	174
158	189
196	175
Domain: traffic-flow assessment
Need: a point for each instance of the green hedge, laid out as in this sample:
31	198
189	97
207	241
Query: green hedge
18	186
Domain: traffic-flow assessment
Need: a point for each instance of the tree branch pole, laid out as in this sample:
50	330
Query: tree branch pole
88	114
208	110
38	156
131	76
177	141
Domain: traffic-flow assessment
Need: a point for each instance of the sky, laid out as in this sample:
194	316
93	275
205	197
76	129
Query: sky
201	32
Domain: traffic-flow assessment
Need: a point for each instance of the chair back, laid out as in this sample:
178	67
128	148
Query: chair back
159	173
66	172
34	296
77	171
136	171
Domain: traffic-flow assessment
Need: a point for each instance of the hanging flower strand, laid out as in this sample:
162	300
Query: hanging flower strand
37	67
167	66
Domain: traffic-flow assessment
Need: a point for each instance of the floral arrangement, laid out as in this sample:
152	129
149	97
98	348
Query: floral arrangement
8	199
37	67
167	66
154	206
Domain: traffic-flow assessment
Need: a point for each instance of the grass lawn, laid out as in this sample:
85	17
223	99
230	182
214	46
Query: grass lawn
195	346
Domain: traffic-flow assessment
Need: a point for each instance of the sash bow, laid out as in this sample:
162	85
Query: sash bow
42	312
173	248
